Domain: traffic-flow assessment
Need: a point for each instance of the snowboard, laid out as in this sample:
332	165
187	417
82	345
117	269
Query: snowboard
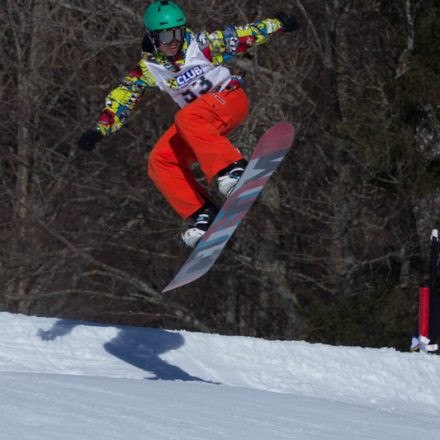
267	155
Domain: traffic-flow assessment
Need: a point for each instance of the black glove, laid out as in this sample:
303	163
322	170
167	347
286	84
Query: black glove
88	139
288	22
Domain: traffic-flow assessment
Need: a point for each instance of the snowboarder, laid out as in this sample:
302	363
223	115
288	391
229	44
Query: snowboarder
190	68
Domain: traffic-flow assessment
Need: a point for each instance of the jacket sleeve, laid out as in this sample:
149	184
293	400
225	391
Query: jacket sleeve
121	101
220	46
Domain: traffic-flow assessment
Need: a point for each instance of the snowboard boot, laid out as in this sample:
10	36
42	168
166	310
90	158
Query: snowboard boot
201	220
228	177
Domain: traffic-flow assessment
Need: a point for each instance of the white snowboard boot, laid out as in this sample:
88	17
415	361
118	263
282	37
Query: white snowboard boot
228	178
201	219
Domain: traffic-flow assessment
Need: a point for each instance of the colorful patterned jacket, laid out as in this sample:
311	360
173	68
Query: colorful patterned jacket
218	47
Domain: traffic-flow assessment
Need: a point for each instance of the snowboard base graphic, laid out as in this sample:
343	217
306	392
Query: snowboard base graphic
267	155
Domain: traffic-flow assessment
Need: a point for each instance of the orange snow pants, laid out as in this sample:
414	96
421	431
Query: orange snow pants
197	135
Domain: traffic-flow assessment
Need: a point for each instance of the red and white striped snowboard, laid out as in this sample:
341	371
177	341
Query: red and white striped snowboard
267	155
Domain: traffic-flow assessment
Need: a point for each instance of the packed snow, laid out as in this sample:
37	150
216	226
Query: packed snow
62	380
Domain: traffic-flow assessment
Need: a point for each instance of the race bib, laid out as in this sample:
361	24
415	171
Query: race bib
197	77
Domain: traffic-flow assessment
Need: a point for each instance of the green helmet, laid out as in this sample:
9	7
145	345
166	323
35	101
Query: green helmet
163	14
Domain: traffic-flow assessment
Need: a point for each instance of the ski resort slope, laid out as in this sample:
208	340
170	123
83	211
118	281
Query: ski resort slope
63	380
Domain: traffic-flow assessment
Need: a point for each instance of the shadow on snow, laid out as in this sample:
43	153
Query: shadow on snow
139	347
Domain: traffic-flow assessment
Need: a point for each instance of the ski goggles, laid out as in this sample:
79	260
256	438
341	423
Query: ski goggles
168	35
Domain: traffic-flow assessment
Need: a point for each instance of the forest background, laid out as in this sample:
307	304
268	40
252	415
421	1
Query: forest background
333	251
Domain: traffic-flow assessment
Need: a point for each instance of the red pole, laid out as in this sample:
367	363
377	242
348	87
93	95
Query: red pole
424	311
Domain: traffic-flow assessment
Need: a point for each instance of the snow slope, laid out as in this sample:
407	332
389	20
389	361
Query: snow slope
73	380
